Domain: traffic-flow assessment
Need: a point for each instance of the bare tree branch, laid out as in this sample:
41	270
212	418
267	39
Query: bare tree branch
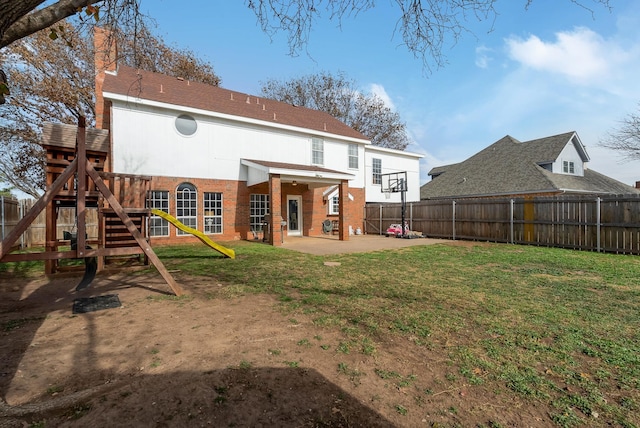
338	96
28	23
425	26
626	138
53	81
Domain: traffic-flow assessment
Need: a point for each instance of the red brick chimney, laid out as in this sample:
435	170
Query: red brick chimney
106	53
637	184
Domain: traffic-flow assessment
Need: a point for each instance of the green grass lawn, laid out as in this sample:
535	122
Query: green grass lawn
558	326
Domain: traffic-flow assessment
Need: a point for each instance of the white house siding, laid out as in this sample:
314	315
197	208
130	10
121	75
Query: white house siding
392	161
569	154
146	142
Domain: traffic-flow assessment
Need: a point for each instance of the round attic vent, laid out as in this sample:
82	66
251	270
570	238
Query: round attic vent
186	125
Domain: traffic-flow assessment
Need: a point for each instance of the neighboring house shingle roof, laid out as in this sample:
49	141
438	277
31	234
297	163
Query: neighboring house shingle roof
510	167
437	170
183	93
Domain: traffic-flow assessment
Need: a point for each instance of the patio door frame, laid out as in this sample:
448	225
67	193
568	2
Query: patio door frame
298	230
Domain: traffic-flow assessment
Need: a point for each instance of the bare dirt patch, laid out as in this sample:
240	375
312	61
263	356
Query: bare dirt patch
215	358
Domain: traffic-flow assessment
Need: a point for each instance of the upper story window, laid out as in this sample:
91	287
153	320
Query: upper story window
186	125
376	169
568	167
353	156
317	151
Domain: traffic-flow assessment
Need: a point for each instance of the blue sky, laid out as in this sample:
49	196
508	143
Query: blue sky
553	68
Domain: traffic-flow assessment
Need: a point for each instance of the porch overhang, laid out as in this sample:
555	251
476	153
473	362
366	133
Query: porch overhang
313	176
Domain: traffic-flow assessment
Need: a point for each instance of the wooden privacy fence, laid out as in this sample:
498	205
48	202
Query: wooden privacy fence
10	214
592	223
12	210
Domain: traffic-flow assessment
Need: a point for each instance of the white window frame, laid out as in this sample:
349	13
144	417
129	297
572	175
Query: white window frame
568	167
376	171
317	151
258	208
353	156
158	199
187	206
332	196
212	212
334	205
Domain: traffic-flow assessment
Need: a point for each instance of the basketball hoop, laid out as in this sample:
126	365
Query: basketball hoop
387	194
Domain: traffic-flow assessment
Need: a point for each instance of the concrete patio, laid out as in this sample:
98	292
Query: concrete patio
324	245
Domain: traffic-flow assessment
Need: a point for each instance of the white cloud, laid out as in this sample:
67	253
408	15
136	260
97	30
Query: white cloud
482	56
581	55
379	91
578	80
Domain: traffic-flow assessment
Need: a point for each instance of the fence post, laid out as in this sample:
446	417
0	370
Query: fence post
21	212
364	216
411	216
2	214
598	219
453	216
511	214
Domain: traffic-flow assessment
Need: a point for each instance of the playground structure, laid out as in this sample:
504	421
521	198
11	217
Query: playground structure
76	177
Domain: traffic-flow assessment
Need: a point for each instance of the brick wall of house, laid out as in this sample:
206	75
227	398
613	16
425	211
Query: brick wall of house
235	203
235	207
319	211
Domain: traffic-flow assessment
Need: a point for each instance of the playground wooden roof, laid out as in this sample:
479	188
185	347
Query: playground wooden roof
63	135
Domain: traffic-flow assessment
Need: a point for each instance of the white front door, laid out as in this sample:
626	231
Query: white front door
294	215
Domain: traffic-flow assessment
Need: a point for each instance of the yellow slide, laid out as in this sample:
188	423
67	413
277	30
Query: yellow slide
201	236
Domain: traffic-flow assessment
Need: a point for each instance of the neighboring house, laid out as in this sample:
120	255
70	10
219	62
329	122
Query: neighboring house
543	167
220	158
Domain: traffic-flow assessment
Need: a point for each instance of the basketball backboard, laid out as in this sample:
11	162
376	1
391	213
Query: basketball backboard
394	182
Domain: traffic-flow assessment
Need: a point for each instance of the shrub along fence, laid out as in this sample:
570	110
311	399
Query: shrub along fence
592	223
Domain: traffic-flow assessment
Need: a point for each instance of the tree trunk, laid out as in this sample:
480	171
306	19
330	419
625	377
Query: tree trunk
16	21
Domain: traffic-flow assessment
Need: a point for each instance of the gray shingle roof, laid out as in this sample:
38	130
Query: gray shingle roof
509	167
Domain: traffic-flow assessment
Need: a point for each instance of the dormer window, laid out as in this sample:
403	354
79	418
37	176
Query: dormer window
568	167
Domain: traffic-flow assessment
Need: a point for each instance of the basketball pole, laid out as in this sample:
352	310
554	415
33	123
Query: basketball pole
403	201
